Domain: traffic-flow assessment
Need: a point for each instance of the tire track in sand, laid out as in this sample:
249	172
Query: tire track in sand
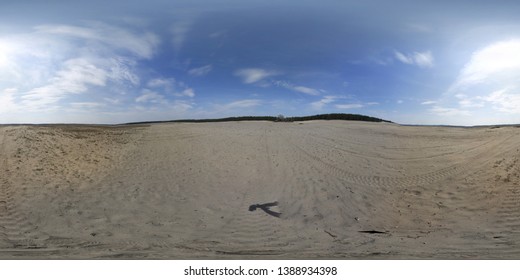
379	186
145	181
508	214
15	230
247	233
94	235
408	181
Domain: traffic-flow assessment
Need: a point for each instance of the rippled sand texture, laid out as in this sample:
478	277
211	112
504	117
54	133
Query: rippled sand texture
176	191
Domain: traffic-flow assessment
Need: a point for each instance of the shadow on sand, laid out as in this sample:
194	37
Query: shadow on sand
266	208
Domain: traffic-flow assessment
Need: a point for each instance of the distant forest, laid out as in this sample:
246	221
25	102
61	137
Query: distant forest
280	118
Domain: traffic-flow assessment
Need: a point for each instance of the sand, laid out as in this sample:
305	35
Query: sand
259	190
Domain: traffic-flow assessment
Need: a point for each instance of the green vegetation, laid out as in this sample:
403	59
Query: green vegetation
279	118
346	117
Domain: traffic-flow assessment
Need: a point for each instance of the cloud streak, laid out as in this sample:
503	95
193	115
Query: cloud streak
84	65
300	89
331	100
172	87
349	106
253	75
421	59
179	31
318	105
449	112
7	102
200	71
143	45
504	100
76	77
149	96
246	103
490	79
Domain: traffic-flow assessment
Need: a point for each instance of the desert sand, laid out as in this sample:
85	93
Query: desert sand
259	190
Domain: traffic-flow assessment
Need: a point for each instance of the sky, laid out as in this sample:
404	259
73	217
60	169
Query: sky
411	62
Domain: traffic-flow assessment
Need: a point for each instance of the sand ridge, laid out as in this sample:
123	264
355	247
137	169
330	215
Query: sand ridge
344	190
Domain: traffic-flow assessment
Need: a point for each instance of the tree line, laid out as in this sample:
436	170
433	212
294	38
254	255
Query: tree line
279	118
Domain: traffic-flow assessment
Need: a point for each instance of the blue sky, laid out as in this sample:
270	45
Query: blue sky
412	62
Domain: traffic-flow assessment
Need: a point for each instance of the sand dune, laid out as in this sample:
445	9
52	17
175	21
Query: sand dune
214	190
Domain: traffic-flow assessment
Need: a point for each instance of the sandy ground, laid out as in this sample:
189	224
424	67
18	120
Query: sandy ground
181	191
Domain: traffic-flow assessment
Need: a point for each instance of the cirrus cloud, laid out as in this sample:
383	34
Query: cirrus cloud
318	105
201	71
143	45
492	78
421	59
349	106
253	75
149	96
171	86
301	89
85	64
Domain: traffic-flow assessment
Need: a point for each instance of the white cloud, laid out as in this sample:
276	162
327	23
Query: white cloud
301	89
446	111
76	77
331	99
499	62
149	96
492	78
121	70
217	34
179	31
246	103
428	102
240	107
318	105
201	71
113	101
87	61
253	75
504	100
172	87
161	82
6	49
189	92
403	58
181	106
468	102
424	59
349	106
25	59
400	101
143	45
86	105
421	59
306	90
7	102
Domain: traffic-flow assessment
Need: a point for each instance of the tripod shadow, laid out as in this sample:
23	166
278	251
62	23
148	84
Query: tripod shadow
265	207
